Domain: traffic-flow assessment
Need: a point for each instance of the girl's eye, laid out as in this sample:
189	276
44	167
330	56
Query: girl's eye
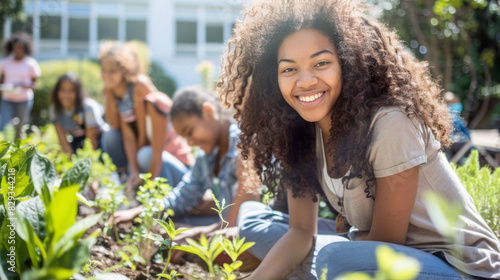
287	70
322	63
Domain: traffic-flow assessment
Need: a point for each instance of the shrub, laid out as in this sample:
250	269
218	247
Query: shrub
88	71
482	184
161	80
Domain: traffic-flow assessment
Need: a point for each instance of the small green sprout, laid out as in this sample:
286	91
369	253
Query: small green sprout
129	257
207	251
173	275
166	243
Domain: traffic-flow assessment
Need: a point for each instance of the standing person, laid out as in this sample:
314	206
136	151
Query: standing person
133	107
74	114
345	110
18	73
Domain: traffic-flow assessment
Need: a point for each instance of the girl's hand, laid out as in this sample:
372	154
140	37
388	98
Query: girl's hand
123	216
133	180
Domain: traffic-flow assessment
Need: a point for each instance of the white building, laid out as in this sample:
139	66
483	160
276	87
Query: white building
180	33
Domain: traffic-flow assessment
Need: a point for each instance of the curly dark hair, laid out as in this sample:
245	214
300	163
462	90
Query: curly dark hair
72	78
124	57
22	38
377	71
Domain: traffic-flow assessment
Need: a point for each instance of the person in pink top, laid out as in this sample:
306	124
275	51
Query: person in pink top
18	73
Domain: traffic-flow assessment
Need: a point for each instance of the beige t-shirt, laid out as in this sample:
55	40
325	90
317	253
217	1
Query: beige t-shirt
400	142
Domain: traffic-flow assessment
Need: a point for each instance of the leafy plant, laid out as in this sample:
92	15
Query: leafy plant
166	243
150	195
220	207
482	184
45	211
108	199
129	257
173	275
206	250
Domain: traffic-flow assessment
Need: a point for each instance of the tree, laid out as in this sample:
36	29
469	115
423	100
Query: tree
461	41
9	8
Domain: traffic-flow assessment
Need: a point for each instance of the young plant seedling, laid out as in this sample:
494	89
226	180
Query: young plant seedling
207	251
221	206
129	257
150	195
172	276
108	199
166	243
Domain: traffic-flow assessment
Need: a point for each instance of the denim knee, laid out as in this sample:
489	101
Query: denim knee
144	158
359	256
112	144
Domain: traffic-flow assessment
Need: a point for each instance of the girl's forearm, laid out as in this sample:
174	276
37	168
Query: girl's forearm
285	256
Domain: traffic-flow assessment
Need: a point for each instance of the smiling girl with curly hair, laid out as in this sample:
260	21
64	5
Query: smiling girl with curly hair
331	103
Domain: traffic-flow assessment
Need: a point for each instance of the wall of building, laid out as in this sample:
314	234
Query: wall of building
179	33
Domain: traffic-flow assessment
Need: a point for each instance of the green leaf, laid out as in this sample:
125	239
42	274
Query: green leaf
396	265
48	273
154	237
34	211
4	148
42	171
77	174
245	247
167	227
17	158
26	192
84	200
45	195
74	233
26	232
61	213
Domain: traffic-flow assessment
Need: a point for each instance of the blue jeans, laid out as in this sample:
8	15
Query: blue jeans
10	110
172	168
350	256
258	223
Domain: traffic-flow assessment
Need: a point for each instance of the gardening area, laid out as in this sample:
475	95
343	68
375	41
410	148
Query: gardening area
58	203
59	230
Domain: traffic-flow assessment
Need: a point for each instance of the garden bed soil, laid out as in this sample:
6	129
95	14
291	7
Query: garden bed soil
191	266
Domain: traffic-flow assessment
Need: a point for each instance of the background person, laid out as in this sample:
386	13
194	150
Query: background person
141	137
18	73
74	114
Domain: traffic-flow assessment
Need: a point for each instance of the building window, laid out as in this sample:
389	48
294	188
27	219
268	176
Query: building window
107	28
50	27
136	30
186	32
78	29
25	25
215	33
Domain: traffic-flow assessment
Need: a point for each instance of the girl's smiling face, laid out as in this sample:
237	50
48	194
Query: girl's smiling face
67	95
111	74
309	74
199	131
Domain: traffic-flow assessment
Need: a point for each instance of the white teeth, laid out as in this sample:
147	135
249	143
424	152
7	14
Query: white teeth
311	97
